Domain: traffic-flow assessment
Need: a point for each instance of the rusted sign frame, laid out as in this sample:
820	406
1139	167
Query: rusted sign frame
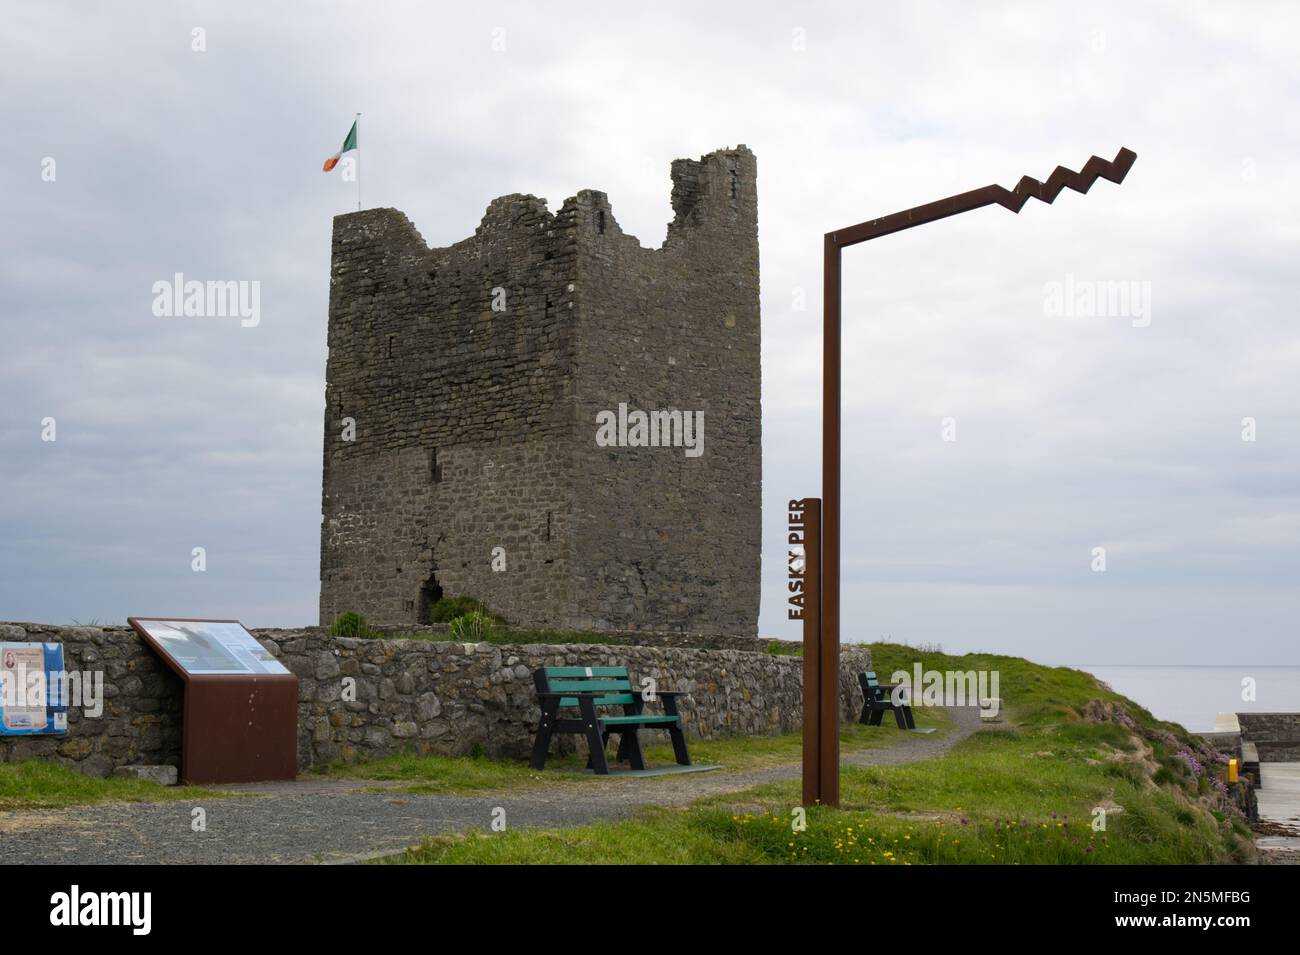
804	519
822	695
235	727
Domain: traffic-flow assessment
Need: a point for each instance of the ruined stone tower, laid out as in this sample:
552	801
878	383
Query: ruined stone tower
465	389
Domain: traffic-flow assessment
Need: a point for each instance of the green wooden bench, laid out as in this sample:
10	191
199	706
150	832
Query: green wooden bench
593	692
877	698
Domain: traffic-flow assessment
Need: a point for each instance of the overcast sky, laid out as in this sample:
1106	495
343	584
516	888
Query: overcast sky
1072	432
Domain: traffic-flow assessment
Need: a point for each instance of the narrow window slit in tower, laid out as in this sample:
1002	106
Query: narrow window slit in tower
600	221
548	525
435	469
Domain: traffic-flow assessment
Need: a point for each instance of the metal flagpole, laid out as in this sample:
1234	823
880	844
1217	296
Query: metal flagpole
358	124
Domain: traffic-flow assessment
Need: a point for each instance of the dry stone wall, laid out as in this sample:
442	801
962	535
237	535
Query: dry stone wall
141	718
423	695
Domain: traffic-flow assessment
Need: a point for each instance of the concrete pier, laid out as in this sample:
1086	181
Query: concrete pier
1279	807
1267	747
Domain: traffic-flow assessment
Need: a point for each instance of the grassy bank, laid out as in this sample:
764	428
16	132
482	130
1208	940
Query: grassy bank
1027	792
463	774
33	784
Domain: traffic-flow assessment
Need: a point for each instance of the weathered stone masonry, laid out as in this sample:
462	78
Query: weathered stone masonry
475	428
412	694
141	722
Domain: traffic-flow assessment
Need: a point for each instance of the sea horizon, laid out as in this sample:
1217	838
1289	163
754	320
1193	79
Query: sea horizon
1193	700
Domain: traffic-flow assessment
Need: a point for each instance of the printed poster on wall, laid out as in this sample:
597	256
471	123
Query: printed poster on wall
32	689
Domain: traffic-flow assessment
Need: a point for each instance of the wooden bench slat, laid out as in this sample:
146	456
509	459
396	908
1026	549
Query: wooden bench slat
585	671
613	699
630	720
589	686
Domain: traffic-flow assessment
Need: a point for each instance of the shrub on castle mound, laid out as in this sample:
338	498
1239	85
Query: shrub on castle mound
353	625
447	609
473	627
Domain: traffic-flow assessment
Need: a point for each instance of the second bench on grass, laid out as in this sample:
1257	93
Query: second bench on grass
877	698
605	703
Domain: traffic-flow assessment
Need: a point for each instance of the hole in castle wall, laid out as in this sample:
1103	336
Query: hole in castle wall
435	469
430	594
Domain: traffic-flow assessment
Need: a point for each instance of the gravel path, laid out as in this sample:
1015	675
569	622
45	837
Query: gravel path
329	820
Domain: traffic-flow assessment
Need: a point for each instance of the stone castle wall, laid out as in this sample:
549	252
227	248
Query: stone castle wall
672	539
460	415
422	695
475	427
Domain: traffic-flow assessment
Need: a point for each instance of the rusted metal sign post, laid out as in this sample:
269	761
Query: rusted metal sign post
821	775
821	769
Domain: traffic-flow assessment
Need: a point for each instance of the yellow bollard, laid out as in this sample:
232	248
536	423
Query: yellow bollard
1232	770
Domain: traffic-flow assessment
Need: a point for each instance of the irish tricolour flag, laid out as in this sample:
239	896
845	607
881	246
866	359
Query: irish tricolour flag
349	144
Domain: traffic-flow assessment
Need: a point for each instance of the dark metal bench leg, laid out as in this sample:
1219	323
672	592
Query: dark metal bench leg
908	719
595	738
630	748
545	728
682	755
876	716
604	748
675	733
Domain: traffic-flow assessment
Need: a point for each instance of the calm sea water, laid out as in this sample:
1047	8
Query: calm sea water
1193	696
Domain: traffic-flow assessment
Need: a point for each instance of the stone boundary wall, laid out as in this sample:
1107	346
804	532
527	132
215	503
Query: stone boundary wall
141	722
1276	735
425	695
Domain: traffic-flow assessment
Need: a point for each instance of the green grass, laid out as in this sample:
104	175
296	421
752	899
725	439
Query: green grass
1024	793
353	625
430	773
508	637
1019	680
742	753
447	609
784	648
34	784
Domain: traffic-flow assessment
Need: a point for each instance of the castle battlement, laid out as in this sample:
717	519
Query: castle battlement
463	393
